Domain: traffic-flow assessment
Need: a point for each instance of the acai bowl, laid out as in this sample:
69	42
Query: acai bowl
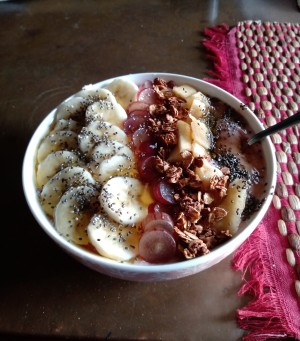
148	177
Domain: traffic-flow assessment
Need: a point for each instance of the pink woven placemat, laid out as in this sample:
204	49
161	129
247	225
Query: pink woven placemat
259	62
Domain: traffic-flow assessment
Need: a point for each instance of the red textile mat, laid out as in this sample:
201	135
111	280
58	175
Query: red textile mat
259	62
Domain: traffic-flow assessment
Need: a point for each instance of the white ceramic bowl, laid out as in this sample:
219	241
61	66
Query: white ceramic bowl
161	271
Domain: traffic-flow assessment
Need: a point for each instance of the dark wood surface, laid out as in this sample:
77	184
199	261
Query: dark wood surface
49	49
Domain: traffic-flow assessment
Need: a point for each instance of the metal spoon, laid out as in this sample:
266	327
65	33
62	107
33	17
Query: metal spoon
292	120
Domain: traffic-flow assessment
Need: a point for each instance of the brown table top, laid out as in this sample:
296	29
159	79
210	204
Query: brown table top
48	50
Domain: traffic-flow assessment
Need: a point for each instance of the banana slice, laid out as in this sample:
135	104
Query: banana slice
184	91
124	90
184	141
74	211
107	149
198	104
234	203
61	182
68	124
108	111
201	134
116	165
55	162
94	93
206	172
96	131
120	199
198	150
113	241
57	140
74	108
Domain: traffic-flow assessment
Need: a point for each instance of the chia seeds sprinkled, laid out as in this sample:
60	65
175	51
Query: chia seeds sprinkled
252	205
92	144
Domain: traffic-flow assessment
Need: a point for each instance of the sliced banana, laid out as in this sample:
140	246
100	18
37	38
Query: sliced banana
115	165
74	108
113	241
207	171
184	141
68	124
74	211
61	182
198	150
105	150
57	140
108	148
201	134
96	131
120	199
184	91
94	93
55	162
124	90
198	104
108	111
234	203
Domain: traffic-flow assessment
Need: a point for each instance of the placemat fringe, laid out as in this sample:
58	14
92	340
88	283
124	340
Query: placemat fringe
226	71
216	46
261	316
259	63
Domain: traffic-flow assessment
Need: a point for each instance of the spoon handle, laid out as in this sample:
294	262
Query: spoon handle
292	120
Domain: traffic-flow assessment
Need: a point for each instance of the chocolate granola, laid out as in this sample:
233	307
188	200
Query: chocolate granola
194	217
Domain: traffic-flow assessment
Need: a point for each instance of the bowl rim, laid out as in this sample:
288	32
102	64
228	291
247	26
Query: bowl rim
31	192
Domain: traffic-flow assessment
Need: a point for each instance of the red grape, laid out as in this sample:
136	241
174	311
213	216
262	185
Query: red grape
132	123
143	113
147	170
137	105
157	246
141	135
148	96
145	85
156	207
157	221
163	192
146	149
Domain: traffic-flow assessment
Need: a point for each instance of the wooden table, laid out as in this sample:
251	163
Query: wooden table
48	50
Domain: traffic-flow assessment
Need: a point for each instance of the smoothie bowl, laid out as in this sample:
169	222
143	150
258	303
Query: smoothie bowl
148	176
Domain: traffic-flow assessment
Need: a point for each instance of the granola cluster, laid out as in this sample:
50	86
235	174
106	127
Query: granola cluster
197	208
165	114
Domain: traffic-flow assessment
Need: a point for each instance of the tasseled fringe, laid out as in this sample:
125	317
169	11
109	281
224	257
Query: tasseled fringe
220	44
216	45
260	316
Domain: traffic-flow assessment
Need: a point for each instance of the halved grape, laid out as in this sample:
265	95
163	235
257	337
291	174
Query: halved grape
158	221
141	135
146	149
133	123
163	192
148	96
137	105
147	170
145	85
157	246
143	113
156	207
